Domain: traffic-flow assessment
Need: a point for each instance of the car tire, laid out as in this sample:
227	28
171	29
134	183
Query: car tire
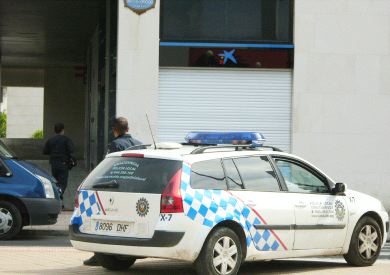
115	262
221	253
366	243
10	220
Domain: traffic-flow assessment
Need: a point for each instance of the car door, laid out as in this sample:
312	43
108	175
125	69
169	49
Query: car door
269	215
320	216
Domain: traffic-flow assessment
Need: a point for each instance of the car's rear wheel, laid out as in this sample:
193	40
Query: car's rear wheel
365	243
10	220
115	262
221	254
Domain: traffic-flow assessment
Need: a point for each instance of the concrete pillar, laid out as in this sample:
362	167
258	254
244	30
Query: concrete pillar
64	102
138	68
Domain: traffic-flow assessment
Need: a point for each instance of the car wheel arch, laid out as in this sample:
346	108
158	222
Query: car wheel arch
20	205
377	218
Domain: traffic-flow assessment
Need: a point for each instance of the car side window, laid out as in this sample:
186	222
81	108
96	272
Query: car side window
299	179
208	174
232	175
257	174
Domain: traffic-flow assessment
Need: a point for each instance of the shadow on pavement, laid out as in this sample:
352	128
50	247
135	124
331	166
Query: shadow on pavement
42	238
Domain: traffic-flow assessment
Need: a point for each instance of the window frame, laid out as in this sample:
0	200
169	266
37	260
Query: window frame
226	174
223	170
277	176
305	166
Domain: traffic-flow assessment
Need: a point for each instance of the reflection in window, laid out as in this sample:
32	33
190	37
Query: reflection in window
233	177
299	179
208	175
257	174
226	20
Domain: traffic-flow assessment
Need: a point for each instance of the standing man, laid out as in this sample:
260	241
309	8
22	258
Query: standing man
60	148
122	141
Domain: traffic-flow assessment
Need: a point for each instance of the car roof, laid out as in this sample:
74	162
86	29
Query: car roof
184	154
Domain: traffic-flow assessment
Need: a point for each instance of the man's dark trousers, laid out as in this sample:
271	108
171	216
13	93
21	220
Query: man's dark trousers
60	172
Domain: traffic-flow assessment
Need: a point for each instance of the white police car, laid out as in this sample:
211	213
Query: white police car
218	206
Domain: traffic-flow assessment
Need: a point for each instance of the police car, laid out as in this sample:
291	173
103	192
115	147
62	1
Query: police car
218	206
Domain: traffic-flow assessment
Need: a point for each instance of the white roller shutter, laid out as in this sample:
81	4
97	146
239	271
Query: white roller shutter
225	100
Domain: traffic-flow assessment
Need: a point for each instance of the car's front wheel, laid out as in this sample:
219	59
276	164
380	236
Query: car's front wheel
221	253
365	243
10	220
115	262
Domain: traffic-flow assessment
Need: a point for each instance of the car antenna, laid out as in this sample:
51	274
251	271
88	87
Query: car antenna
151	132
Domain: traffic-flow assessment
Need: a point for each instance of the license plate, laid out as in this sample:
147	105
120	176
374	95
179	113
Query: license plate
102	227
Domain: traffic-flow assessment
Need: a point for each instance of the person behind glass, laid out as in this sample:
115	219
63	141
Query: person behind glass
60	149
122	141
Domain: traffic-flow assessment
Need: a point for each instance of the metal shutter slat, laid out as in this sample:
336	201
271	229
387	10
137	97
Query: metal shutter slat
225	100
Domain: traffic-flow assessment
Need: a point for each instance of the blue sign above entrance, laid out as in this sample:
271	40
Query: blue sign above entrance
140	6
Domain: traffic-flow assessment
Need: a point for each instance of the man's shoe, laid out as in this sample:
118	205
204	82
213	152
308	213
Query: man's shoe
91	261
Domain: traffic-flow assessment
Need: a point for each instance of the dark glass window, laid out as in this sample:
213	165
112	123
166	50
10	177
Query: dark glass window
208	175
257	174
232	175
136	175
215	57
299	179
226	20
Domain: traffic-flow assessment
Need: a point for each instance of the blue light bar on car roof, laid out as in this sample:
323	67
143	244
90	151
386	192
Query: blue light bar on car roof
236	138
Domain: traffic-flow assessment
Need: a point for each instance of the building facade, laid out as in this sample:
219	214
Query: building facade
330	104
312	75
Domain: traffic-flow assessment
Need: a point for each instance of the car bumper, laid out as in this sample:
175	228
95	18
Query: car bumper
159	239
42	211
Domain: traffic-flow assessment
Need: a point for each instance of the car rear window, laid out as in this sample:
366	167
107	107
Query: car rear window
134	175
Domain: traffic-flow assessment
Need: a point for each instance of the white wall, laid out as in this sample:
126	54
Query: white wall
341	101
24	111
137	68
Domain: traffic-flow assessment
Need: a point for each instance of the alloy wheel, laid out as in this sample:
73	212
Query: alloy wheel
225	255
6	221
368	242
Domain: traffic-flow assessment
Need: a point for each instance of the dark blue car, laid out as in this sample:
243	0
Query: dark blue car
28	195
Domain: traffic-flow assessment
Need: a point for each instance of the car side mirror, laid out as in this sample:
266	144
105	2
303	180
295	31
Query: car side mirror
339	188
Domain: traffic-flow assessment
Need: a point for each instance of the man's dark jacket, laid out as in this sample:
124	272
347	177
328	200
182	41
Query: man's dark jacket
60	148
122	143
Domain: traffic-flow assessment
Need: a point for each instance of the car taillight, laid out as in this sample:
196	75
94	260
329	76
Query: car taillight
171	200
76	197
76	200
132	155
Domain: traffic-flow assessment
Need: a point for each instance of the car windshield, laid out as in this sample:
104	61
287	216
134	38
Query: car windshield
5	152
